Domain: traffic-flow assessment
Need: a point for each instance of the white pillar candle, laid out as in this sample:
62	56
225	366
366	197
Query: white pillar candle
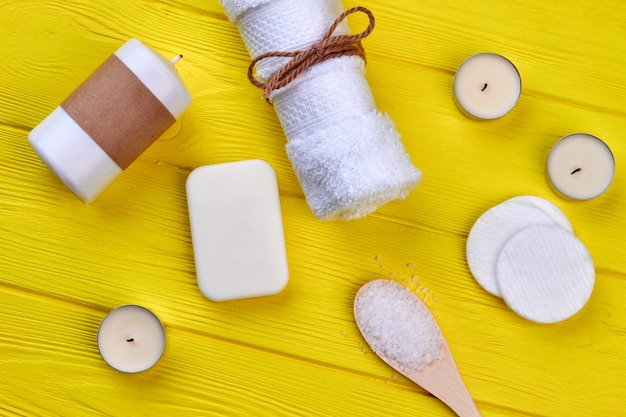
487	86
580	166
131	339
110	119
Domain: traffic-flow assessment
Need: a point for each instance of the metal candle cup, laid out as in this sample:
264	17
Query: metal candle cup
131	339
487	86
580	167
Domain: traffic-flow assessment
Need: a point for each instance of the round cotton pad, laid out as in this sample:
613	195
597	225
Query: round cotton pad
560	219
545	274
497	225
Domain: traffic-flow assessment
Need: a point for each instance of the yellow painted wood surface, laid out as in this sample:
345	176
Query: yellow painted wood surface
64	265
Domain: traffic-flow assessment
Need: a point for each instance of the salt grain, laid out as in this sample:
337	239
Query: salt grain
397	326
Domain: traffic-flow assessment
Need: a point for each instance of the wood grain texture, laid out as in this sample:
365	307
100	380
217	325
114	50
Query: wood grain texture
64	264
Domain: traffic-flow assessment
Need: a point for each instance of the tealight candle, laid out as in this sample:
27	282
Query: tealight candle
487	86
131	339
580	166
111	119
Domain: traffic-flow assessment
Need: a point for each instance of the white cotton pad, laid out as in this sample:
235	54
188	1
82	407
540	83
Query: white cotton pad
237	230
545	274
497	225
559	218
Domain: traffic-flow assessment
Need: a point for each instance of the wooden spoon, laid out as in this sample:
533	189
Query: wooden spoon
402	332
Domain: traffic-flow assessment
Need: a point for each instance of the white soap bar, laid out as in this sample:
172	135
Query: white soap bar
237	230
545	274
497	225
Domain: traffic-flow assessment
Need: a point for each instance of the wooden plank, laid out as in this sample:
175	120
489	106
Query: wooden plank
209	374
64	264
563	52
435	35
468	166
197	375
138	251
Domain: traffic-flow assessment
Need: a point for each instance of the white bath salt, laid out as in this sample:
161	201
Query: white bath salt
397	325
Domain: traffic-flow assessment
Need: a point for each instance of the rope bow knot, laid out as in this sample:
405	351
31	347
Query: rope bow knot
330	46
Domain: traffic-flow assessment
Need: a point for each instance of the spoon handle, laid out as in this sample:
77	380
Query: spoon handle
442	379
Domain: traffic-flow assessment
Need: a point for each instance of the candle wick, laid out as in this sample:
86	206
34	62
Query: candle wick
130	340
484	88
175	60
576	170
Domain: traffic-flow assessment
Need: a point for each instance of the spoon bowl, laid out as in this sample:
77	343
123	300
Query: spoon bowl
400	329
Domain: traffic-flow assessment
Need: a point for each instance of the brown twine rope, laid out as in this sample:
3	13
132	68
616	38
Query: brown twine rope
328	47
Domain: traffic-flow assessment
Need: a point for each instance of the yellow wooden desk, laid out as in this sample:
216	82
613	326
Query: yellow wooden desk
64	265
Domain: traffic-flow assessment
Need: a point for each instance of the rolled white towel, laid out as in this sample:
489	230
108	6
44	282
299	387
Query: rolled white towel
347	155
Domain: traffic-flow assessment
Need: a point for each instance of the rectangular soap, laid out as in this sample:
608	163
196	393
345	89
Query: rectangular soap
237	230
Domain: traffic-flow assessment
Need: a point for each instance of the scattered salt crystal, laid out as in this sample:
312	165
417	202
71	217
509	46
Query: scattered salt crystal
410	265
397	326
415	278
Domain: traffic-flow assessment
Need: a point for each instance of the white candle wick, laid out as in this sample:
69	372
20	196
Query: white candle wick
175	60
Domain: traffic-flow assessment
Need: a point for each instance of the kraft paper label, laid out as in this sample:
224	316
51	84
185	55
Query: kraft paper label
118	111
